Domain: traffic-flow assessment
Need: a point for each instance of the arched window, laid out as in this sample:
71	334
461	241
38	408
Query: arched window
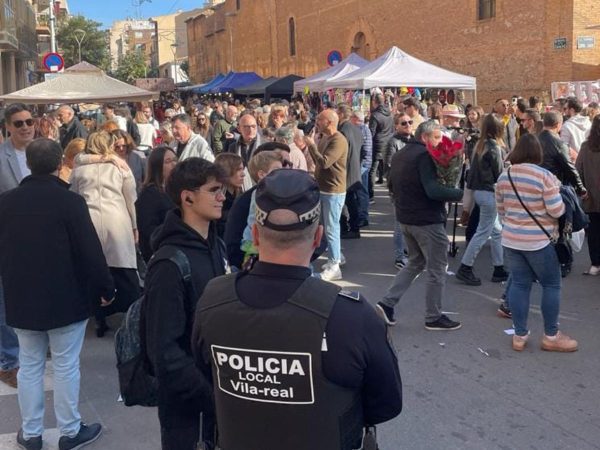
359	45
292	31
486	9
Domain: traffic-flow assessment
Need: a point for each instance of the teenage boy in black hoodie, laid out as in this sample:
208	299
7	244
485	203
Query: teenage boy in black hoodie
196	187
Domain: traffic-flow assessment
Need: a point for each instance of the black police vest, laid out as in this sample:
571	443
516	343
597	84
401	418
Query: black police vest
270	390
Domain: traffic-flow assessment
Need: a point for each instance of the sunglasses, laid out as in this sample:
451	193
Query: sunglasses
287	164
406	122
20	123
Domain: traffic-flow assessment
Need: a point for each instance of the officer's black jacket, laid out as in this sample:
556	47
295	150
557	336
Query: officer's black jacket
359	354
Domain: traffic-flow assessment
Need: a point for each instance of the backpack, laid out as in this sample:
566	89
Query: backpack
137	383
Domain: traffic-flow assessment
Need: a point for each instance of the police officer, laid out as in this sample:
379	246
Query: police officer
296	363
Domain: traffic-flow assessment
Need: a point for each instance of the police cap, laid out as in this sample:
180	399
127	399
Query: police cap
292	190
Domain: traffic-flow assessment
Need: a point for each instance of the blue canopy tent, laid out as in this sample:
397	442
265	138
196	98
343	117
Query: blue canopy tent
206	87
256	88
235	80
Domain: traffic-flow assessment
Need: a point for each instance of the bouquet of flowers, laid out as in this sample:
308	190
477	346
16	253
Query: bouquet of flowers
448	157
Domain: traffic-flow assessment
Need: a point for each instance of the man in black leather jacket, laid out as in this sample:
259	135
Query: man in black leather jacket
556	153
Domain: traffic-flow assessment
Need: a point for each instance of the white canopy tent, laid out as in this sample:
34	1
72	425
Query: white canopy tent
81	83
315	83
397	68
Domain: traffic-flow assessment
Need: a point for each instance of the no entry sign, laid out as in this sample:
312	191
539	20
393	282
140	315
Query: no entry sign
53	62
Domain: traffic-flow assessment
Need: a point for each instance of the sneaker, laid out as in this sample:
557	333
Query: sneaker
519	342
87	434
33	443
331	272
386	313
499	274
466	275
559	343
363	223
594	270
442	324
400	263
504	311
9	377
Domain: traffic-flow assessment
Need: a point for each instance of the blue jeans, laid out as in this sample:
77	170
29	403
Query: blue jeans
525	267
65	345
363	196
399	246
332	205
9	345
489	226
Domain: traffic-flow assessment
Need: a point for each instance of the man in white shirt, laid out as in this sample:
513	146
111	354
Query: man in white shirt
575	130
109	113
151	120
13	168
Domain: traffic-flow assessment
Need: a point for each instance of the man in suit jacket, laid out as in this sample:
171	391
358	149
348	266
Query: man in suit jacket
13	168
48	291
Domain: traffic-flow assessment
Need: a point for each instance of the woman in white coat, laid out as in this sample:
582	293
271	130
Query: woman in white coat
110	194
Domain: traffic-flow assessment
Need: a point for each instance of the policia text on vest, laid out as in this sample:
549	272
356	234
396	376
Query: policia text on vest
265	376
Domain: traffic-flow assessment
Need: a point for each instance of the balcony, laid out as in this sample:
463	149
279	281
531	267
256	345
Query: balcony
18	28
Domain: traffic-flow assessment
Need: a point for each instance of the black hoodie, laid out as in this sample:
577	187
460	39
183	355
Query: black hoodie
169	309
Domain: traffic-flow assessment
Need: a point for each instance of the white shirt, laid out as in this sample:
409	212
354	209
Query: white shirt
147	134
22	160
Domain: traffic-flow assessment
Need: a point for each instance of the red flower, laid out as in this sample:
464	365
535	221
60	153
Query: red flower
445	151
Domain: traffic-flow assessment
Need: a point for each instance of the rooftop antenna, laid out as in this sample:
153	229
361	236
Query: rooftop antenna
137	5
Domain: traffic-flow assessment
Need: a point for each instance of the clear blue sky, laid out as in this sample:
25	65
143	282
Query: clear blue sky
107	11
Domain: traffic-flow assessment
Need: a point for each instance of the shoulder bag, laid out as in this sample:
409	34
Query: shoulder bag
563	251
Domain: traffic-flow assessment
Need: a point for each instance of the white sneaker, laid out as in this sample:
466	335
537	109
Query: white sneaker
594	270
331	272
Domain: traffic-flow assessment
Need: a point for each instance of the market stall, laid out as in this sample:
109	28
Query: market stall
315	82
81	83
234	80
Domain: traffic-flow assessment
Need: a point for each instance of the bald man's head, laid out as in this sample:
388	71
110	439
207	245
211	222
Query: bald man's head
328	121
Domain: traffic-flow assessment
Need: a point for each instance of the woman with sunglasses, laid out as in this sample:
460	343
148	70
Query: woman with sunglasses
125	149
109	192
203	127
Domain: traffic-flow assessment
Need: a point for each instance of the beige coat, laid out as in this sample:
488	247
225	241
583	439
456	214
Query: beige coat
110	195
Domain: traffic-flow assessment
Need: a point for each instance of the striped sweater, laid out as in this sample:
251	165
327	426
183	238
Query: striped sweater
540	191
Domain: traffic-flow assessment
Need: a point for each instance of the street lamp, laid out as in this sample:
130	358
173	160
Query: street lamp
174	50
231	14
79	35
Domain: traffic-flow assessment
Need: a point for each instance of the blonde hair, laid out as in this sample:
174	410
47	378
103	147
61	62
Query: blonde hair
262	161
100	143
140	117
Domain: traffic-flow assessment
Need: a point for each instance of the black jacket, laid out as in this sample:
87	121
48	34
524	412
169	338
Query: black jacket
558	161
418	196
395	144
51	261
151	209
485	169
169	309
355	141
72	130
381	124
133	131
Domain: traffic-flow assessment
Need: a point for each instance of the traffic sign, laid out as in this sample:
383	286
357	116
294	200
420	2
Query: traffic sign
334	57
53	62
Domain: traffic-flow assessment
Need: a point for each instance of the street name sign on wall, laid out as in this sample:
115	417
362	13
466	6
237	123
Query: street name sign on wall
560	43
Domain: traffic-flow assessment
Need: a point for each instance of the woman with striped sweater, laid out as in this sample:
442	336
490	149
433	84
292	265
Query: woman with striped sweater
527	248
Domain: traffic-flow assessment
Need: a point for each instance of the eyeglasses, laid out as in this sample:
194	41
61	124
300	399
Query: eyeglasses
406	122
214	191
20	123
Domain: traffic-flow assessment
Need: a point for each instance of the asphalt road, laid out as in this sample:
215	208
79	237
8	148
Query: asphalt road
465	389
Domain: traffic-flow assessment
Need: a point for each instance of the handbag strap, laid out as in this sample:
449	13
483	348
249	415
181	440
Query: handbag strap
526	209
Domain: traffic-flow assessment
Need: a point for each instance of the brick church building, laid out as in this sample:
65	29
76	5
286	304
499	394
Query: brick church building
511	46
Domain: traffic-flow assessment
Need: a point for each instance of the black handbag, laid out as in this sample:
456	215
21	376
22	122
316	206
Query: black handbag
562	248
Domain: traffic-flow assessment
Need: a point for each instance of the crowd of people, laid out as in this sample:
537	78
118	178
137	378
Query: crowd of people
103	204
